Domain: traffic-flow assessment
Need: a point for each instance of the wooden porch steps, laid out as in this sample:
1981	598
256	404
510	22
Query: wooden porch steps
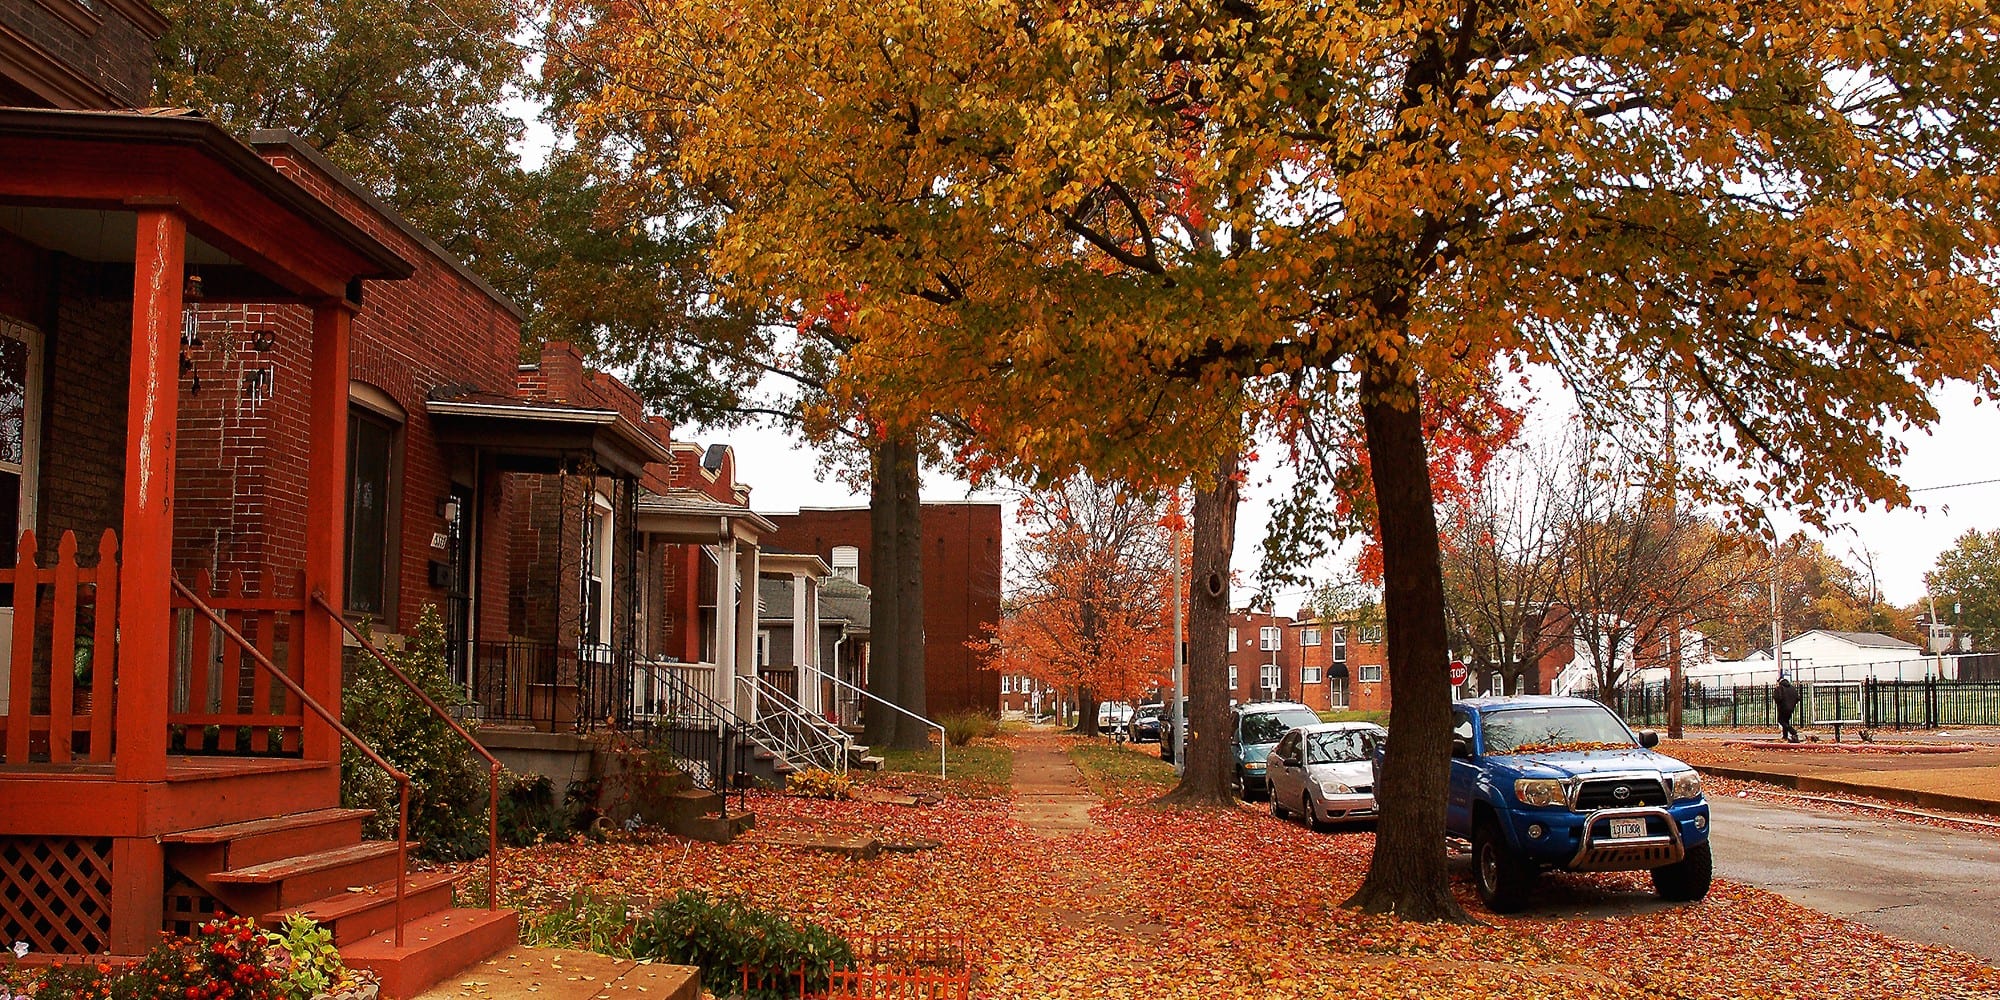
361	912
314	862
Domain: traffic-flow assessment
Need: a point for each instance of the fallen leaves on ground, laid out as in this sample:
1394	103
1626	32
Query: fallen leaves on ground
1232	903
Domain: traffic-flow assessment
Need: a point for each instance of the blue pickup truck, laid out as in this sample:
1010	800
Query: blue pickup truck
1561	783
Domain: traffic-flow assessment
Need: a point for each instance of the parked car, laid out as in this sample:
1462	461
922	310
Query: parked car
1542	782
1169	742
1146	723
1325	773
1113	717
1254	728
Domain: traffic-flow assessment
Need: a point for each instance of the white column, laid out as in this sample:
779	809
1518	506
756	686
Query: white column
725	628
746	625
805	662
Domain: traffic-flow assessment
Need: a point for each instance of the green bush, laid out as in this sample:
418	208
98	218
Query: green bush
584	922
448	791
222	960
727	937
962	727
315	966
530	813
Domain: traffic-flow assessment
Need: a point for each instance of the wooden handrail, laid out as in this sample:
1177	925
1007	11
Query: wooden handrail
493	763
402	779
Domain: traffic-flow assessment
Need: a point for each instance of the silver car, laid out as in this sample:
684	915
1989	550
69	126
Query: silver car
1324	773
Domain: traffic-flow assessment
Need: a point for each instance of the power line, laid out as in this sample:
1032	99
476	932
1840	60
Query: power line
1953	486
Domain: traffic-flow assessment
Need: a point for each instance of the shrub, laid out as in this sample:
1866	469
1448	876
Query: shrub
311	964
530	814
583	921
448	792
814	783
222	960
962	727
728	937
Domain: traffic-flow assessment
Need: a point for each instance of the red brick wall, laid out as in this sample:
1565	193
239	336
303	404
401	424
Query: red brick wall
961	588
1249	660
241	476
113	56
87	361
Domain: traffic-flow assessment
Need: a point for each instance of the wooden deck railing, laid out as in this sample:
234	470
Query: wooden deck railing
221	703
62	654
274	672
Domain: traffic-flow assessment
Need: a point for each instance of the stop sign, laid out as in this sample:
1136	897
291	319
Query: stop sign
1457	672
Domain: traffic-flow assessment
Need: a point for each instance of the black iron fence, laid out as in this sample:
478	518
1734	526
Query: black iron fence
539	685
1881	704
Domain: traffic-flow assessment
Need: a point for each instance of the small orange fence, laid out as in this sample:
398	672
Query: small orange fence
61	650
890	965
220	701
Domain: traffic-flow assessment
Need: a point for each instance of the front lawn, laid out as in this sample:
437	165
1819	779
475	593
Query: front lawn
980	763
1118	771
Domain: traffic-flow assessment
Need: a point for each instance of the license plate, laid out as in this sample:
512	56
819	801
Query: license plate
1622	828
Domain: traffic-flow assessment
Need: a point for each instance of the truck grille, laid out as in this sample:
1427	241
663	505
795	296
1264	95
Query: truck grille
1604	794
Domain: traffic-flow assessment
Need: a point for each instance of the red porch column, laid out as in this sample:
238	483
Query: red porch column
326	519
145	616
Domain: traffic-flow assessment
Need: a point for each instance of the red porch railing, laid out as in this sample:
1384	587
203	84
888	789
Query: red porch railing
221	702
274	672
63	652
492	762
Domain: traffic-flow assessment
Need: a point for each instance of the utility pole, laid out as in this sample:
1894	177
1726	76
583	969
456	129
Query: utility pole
1674	681
1777	624
1180	658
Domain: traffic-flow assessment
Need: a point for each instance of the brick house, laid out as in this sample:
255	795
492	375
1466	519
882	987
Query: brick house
961	543
1263	660
188	324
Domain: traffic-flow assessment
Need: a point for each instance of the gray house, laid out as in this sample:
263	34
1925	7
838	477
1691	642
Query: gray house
842	649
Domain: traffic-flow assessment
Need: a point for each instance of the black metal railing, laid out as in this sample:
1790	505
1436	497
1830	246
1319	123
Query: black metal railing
516	682
668	711
1892	704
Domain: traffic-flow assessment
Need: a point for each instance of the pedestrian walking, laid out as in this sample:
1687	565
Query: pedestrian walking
1787	696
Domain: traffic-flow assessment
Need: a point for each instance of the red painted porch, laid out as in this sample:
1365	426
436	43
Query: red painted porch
151	764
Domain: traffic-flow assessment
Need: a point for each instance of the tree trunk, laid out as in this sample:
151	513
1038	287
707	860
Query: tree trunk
883	725
1086	711
1406	875
909	585
1205	746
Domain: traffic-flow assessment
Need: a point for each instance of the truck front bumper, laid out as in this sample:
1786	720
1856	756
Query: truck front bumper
1582	842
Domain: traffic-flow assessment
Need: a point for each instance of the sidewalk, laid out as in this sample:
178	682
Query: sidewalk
1963	780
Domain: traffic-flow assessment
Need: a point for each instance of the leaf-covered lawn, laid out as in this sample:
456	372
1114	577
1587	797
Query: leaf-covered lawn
1113	768
1232	903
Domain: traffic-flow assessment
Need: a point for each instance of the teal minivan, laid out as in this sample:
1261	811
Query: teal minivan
1254	728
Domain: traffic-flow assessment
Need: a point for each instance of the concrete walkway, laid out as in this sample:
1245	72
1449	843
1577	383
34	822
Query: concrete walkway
557	974
1967	781
1050	796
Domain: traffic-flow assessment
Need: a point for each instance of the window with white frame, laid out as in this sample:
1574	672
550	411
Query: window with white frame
1006	683
1270	676
1371	673
1371	635
1232	678
846	562
1311	675
1267	637
764	647
1309	637
1232	640
1340	647
596	576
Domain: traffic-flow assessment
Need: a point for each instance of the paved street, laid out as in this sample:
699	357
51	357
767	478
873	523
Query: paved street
1907	879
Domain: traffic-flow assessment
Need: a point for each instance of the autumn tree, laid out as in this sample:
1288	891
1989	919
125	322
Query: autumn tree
1089	610
1968	575
1101	233
407	97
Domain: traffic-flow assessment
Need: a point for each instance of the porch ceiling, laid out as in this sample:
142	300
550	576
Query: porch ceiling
259	231
528	436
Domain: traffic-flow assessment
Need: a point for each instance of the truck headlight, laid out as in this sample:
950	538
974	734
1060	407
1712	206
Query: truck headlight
1330	787
1540	791
1687	785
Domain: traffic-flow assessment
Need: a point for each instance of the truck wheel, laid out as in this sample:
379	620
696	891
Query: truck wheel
1503	880
1686	880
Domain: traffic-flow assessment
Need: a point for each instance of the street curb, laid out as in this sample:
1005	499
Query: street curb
1807	783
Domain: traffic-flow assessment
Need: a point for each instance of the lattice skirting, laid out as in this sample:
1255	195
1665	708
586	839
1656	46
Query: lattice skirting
57	894
188	907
